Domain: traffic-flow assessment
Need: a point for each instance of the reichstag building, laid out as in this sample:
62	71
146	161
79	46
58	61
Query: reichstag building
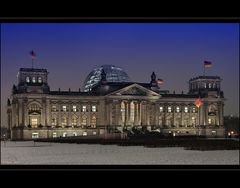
111	102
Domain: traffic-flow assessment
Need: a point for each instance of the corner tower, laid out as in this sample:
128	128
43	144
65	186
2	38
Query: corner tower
31	80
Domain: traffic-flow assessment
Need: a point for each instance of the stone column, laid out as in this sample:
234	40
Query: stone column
101	120
88	115
109	106
79	115
182	110
221	110
48	111
129	112
59	115
25	110
126	113
139	113
205	114
136	113
13	106
173	108
118	113
20	112
69	121
43	112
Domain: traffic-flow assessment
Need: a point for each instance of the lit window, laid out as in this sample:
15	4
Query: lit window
169	109
209	121
64	108
194	110
161	109
54	108
33	79
74	120
74	108
84	120
27	79
209	85
39	79
178	109
93	121
94	108
35	135
84	108
64	134
54	135
54	121
186	109
74	134
64	121
205	85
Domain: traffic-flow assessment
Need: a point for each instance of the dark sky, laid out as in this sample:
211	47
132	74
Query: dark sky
174	51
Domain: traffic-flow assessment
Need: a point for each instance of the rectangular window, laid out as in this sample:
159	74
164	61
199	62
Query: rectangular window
54	121
161	109
94	108
35	135
194	110
84	108
54	108
64	108
169	109
186	109
177	109
54	135
74	108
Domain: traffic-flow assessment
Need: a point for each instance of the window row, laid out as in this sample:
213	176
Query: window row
33	79
204	85
178	109
74	108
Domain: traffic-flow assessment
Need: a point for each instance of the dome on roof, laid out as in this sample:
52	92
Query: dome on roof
113	74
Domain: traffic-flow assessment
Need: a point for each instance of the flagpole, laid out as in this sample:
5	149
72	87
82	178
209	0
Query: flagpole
32	63
203	70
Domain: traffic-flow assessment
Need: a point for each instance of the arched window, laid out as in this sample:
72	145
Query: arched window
93	121
84	120
177	109
54	121
64	121
27	79
34	108
169	109
39	79
74	120
34	79
161	109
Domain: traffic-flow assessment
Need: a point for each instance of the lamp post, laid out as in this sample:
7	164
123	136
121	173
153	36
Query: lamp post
198	103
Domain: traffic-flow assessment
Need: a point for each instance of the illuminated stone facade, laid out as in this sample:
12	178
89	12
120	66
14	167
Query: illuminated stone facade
34	111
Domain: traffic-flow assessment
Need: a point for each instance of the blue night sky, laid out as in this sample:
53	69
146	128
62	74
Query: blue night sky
69	51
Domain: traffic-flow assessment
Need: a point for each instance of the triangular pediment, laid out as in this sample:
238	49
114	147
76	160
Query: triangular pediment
134	90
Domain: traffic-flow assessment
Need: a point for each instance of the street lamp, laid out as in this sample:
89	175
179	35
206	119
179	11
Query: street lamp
198	103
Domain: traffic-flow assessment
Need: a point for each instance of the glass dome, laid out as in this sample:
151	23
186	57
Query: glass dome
113	74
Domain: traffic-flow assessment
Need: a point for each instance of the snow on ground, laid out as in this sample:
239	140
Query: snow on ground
59	153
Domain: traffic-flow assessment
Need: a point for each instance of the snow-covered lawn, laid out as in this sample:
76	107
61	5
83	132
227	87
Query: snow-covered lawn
57	153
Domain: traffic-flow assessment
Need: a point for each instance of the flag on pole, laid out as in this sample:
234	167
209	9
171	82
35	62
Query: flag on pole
207	64
33	54
198	102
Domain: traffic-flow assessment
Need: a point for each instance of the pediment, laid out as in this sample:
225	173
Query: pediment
134	90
